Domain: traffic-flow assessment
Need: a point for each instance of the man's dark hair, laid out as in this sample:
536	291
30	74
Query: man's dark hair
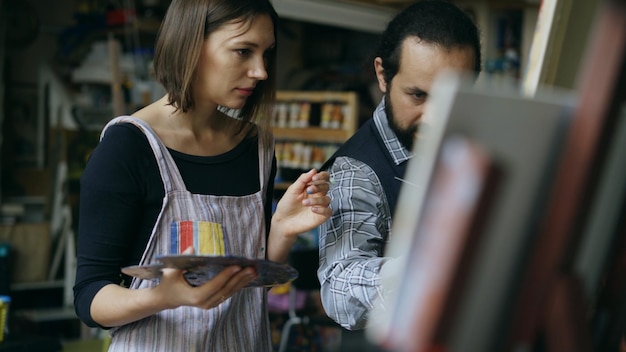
436	22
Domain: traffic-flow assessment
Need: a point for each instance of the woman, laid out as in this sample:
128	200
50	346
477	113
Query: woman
184	160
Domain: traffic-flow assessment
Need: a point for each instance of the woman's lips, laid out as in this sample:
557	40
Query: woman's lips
245	91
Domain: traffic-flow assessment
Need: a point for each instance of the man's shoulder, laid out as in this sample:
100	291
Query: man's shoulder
355	146
360	139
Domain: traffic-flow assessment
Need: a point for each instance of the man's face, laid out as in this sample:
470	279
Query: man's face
407	93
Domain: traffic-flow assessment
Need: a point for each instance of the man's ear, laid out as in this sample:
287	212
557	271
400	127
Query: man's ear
380	74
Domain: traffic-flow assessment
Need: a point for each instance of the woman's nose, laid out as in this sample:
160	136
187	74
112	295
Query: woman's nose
258	71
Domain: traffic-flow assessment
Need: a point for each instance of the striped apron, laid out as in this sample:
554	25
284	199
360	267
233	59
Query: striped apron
219	225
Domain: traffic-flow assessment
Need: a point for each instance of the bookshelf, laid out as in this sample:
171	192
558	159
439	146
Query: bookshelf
312	126
314	130
308	127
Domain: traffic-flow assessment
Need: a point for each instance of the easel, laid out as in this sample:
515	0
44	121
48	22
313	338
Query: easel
551	302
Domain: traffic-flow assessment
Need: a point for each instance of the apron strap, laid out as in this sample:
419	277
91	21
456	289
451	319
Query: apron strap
170	175
266	156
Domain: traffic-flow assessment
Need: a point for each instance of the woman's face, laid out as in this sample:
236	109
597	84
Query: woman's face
233	60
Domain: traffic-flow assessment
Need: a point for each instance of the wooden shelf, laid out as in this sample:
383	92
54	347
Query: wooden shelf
47	314
312	134
281	186
305	147
22	286
349	123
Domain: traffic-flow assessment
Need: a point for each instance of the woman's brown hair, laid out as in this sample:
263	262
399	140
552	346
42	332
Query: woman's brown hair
186	25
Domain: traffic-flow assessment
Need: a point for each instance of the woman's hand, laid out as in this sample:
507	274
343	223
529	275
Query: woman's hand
304	206
114	305
176	291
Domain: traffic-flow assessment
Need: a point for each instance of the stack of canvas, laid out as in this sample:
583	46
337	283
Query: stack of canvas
488	161
509	213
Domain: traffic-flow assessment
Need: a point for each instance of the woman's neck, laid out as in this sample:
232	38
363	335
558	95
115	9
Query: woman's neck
201	131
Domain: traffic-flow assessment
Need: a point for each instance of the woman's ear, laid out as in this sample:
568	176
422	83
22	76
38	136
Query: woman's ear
380	74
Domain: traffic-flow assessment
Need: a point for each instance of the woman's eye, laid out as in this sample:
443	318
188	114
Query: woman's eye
243	52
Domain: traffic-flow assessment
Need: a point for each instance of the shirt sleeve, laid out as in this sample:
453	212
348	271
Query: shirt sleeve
352	244
112	192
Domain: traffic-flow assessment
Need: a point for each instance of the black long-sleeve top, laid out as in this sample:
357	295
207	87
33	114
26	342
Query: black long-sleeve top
121	194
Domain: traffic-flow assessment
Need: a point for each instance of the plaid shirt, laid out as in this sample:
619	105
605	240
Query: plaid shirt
352	241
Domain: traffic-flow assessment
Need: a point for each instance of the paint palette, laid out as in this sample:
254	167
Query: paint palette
202	268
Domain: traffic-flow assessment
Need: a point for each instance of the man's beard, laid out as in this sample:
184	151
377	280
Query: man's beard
405	136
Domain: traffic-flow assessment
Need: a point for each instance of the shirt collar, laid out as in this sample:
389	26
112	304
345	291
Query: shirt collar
397	151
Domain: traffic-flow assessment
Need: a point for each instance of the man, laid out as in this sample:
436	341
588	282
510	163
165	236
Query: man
423	40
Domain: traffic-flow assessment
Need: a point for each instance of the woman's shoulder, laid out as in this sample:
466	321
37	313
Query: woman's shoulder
124	141
123	132
123	150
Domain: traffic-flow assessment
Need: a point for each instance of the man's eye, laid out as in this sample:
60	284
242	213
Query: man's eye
420	96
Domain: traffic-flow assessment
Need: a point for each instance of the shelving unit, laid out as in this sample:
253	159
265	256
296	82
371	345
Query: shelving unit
306	333
63	256
43	258
315	133
305	138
